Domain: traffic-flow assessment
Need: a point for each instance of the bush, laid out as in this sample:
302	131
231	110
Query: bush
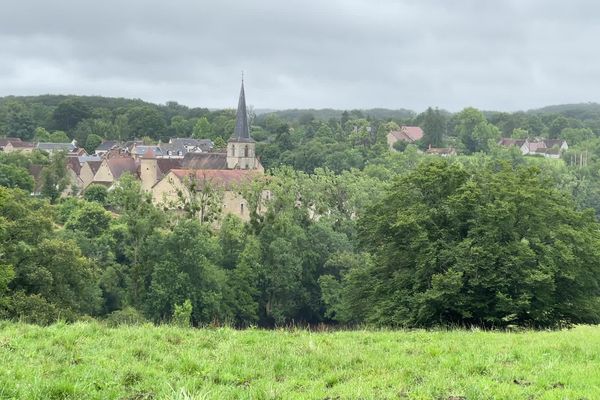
182	314
95	192
33	309
126	316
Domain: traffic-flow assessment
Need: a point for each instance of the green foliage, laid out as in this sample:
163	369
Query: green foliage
97	193
89	360
90	220
59	137
91	142
127	316
483	248
69	113
434	127
54	177
202	129
182	314
145	121
18	120
183	264
16	177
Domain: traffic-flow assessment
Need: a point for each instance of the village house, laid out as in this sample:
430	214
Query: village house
408	134
87	172
51	148
111	169
8	145
441	151
107	146
138	150
549	148
179	147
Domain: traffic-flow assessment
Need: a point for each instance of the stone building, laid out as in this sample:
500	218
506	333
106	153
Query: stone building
225	170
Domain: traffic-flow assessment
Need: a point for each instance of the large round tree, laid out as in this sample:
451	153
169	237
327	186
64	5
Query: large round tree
492	247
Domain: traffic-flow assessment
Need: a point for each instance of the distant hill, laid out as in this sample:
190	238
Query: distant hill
325	114
579	110
52	100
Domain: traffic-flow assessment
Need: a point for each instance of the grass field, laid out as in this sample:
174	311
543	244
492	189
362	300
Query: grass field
92	361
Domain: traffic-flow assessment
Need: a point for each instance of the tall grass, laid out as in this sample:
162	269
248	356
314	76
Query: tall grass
92	361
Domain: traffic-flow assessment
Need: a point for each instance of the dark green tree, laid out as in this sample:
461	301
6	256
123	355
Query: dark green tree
69	113
434	128
16	177
490	247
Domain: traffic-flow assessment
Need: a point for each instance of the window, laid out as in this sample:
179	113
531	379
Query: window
232	150
246	151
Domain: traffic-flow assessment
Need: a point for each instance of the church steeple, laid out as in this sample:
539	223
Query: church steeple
241	147
242	131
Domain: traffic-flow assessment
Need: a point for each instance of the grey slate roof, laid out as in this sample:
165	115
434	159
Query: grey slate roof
241	132
140	150
107	145
56	146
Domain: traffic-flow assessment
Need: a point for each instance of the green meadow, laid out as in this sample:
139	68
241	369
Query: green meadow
92	361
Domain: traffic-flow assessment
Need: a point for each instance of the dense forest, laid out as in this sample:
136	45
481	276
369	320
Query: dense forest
353	234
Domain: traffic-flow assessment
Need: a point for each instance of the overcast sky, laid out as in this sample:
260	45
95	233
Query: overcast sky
490	54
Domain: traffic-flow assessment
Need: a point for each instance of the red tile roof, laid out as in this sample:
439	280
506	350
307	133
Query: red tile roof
408	133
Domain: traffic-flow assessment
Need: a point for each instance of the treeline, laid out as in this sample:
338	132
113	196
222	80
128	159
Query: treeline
411	241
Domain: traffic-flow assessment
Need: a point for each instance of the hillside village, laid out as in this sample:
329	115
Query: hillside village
166	169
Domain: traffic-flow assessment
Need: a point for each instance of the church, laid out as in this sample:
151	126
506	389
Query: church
225	171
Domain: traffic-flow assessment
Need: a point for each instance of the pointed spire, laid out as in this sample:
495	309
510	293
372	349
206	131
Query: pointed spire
241	132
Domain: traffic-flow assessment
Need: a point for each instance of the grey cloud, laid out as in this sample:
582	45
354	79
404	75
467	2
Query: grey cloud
346	54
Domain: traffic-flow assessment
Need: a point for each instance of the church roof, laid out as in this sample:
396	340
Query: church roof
242	131
205	161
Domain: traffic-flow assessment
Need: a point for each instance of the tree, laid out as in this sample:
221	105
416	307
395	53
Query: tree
181	127
466	122
41	135
97	193
556	126
202	129
92	142
519	133
16	177
484	134
574	136
243	294
145	121
54	177
488	247
182	314
59	137
103	128
200	198
90	220
140	218
182	265
69	113
434	128
19	121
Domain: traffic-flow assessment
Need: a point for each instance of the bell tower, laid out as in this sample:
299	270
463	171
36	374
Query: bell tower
241	147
